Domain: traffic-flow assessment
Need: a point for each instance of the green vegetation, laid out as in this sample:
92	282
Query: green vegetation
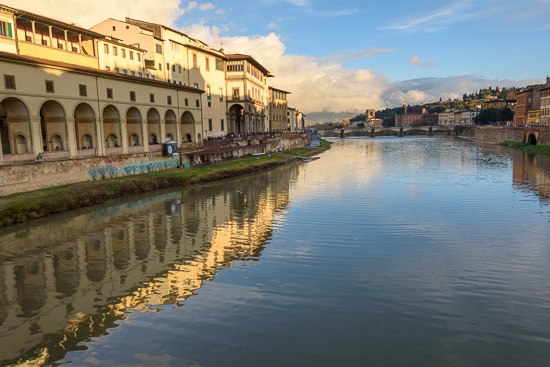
530	149
306	152
490	115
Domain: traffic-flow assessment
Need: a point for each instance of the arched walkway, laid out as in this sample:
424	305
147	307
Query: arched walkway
187	126
15	127
86	136
532	140
111	127
153	127
171	123
133	127
53	127
236	119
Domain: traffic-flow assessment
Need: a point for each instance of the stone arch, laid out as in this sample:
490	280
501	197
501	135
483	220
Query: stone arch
84	117
111	126
171	124
188	125
133	127
53	123
153	127
532	139
236	119
15	123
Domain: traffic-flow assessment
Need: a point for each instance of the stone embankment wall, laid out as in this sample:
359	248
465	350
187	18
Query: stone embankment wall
502	134
22	177
39	175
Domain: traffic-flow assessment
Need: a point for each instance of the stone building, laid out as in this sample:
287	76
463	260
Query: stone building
278	104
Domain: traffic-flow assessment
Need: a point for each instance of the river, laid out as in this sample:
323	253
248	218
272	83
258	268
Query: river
415	251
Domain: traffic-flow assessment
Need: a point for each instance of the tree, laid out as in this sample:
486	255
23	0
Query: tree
487	116
507	114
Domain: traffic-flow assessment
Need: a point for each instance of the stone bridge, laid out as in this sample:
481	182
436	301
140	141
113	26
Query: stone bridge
385	131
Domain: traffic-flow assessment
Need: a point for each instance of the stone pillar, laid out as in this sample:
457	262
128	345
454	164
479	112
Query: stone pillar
100	138
71	138
124	136
51	35
66	37
79	43
145	135
33	31
162	137
36	135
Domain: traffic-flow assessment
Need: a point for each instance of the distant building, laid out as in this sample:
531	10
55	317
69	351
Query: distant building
524	104
370	114
533	118
278	102
545	106
446	118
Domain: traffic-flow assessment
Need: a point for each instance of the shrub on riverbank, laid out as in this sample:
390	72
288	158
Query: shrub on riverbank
531	149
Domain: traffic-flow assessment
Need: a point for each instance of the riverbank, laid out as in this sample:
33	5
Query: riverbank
527	148
19	208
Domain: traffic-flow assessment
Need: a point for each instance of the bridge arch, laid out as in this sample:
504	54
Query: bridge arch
532	139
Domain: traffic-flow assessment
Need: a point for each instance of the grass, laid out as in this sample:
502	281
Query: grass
531	149
25	206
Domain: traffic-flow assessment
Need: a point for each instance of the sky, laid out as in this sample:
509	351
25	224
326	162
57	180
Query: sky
340	58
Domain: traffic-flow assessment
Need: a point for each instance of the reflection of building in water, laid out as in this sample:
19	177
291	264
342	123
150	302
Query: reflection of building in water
133	256
533	172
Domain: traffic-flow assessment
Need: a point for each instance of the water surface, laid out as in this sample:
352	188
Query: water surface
385	252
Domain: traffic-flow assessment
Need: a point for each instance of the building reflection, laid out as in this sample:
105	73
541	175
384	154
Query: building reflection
66	281
532	172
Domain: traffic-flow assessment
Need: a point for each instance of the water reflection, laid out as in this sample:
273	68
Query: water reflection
55	293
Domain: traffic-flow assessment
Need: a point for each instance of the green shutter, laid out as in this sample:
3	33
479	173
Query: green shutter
9	31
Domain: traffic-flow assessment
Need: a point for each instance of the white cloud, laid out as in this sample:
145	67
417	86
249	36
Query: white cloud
272	25
207	6
415	60
166	11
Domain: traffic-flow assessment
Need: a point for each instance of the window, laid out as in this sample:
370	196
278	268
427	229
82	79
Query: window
207	64
222	125
110	93
107	68
186	101
115	51
5	29
152	97
179	68
208	92
133	73
116	70
219	64
235	93
49	86
131	55
209	124
140	75
197	103
132	96
167	66
209	103
196	85
139	57
153	77
221	94
160	66
123	52
147	76
106	48
158	48
124	71
82	90
114	28
169	100
174	68
195	65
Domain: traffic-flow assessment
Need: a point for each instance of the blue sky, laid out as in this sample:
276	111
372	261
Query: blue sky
356	54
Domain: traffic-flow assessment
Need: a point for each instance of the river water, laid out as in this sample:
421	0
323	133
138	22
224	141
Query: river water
385	252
